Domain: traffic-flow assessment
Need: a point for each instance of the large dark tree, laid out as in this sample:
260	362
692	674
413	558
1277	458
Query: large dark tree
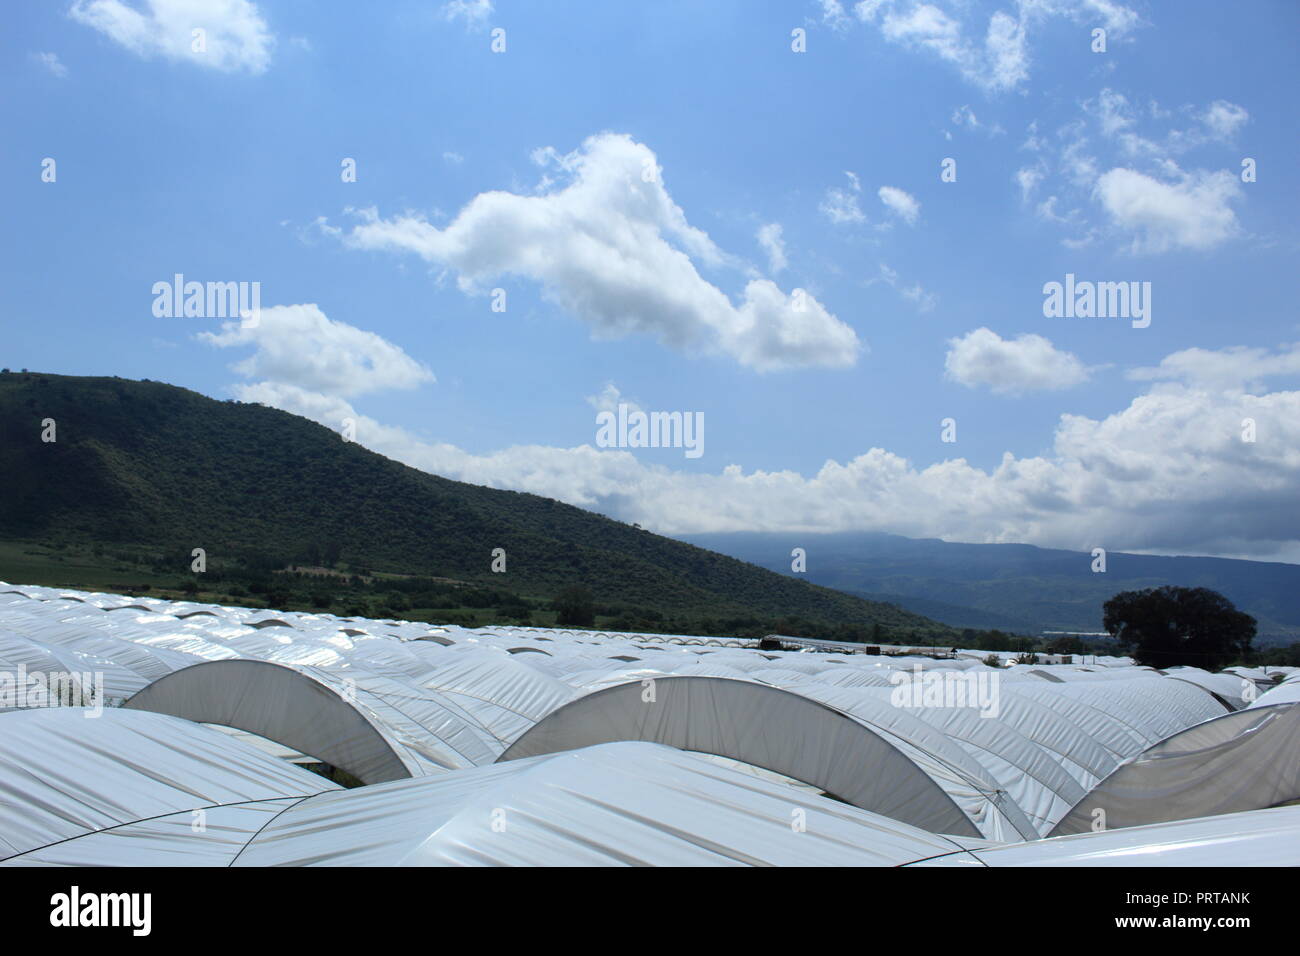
575	607
1167	626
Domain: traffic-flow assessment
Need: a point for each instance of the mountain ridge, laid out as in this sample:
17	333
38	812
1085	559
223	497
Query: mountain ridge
1015	586
140	463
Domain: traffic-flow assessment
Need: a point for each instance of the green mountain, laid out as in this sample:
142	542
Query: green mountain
147	467
1016	587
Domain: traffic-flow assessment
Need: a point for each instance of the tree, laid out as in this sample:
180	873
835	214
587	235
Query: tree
1166	626
1066	644
574	607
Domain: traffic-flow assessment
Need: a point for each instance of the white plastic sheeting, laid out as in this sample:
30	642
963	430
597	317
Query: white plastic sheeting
387	699
1233	691
777	730
616	804
1256	838
64	774
1013	771
1246	760
134	788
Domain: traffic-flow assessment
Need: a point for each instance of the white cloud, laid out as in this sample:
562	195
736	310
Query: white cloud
609	398
1192	213
992	54
1223	119
833	15
300	347
1117	118
1028	363
841	205
612	248
901	204
474	13
235	35
452	158
1149	201
52	63
1167	472
769	237
1028	178
1233	369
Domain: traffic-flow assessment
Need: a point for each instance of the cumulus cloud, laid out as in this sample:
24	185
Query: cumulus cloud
1236	368
235	36
769	237
608	245
1168	472
1148	201
298	346
1028	363
901	204
1193	212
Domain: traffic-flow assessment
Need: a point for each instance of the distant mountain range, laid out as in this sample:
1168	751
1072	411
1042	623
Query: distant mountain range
145	464
1015	587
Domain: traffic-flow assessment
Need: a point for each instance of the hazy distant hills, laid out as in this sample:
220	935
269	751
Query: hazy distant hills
1014	586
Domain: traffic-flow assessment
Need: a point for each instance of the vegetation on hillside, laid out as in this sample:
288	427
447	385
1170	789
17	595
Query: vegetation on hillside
142	473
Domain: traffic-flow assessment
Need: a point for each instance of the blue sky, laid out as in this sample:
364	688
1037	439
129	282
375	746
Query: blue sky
771	171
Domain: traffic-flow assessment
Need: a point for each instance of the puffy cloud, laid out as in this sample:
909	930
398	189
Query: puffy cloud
1237	368
1010	366
1149	201
901	204
611	247
1192	213
1168	472
235	35
298	346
